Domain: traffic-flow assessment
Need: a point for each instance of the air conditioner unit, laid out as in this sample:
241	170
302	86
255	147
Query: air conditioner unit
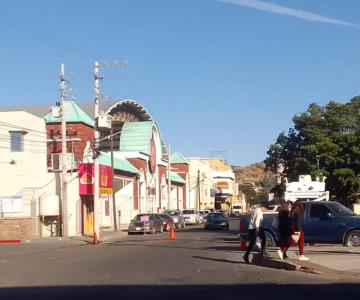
56	161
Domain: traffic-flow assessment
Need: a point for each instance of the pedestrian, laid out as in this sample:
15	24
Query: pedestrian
296	230
284	229
255	230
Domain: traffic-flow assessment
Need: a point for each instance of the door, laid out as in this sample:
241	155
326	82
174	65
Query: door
321	225
88	216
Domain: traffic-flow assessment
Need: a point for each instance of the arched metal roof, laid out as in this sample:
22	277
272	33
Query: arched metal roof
127	108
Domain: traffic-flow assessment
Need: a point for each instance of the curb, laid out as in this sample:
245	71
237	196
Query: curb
271	262
10	241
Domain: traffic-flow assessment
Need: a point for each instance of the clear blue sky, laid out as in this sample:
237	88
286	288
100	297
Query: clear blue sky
215	75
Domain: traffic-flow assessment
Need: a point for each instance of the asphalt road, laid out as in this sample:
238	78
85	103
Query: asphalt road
196	265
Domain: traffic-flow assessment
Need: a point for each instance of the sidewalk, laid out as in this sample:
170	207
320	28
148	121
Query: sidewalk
322	259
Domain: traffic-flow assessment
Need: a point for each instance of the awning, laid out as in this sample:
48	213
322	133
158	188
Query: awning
119	163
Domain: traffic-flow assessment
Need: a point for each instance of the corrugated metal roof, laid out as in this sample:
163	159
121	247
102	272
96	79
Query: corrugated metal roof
73	113
174	177
136	136
119	163
178	158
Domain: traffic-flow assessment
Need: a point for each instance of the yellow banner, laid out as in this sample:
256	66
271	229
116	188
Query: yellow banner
107	191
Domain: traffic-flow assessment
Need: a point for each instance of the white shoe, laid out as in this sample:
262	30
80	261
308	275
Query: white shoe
302	257
281	255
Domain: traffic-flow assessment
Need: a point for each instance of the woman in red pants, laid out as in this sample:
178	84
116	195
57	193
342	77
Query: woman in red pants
297	218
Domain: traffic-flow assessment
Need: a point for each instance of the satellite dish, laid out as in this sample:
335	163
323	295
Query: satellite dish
55	112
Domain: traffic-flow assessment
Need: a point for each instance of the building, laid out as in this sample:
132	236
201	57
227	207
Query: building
24	174
212	183
137	181
201	186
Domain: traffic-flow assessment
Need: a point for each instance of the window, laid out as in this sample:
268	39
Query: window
11	204
121	183
318	211
17	141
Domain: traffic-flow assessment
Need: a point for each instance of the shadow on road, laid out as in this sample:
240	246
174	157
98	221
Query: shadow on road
188	292
219	260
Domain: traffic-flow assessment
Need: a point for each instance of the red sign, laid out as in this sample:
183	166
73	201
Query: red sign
86	179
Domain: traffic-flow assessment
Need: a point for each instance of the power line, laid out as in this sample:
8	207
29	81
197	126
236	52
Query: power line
4	124
42	35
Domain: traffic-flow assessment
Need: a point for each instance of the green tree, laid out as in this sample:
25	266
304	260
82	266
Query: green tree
250	194
328	135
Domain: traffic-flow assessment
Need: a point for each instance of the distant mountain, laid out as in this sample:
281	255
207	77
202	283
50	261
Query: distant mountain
253	174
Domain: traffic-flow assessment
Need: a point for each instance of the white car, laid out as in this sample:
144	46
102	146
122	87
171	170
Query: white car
191	216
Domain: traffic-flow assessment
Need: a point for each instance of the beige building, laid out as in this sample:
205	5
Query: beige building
201	187
212	183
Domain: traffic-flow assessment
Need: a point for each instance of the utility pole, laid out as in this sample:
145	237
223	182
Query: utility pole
113	173
198	189
97	96
96	145
62	221
169	179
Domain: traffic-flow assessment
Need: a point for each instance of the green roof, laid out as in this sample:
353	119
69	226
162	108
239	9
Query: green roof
174	177
73	113
119	163
136	136
178	158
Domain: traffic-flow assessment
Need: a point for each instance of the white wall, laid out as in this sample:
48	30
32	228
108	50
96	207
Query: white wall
206	184
28	178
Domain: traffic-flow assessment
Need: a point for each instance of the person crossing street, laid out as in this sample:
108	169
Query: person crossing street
255	230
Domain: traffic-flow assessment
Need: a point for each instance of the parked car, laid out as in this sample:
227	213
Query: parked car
167	221
146	223
191	216
202	215
216	221
324	222
177	217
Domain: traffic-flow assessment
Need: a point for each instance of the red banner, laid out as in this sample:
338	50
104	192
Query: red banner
86	179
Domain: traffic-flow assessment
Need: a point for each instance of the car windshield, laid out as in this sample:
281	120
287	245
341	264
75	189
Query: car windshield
188	211
166	216
341	210
143	218
216	216
173	213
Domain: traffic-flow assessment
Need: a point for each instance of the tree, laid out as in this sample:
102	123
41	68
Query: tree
328	135
250	194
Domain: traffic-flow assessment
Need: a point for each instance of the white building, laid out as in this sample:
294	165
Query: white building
201	187
24	175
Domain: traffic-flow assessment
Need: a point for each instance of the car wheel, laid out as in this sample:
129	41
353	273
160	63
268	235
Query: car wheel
270	241
353	239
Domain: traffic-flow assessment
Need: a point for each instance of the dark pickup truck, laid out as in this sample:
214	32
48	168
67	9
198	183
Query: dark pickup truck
324	222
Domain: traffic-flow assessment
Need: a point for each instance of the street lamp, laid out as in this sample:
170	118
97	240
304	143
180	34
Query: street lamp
318	162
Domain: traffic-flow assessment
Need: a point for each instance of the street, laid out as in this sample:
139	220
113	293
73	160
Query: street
197	263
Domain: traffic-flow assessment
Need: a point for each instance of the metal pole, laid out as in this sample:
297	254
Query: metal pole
198	189
63	202
169	179
318	163
113	179
96	161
